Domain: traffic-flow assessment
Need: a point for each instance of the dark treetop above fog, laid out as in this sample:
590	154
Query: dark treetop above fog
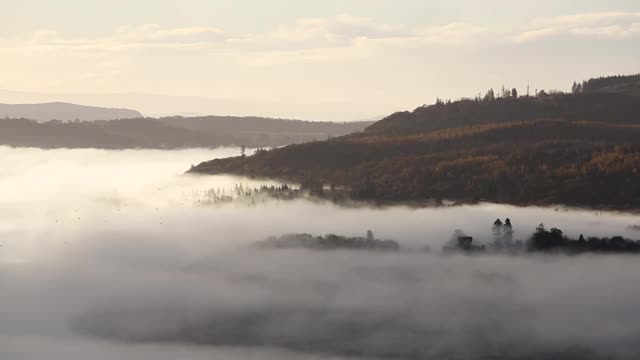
578	148
542	240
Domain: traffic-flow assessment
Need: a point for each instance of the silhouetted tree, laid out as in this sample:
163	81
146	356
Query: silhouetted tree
581	241
490	95
507	238
504	93
497	233
543	240
370	235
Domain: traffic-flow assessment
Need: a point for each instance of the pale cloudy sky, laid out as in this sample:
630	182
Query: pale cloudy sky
330	59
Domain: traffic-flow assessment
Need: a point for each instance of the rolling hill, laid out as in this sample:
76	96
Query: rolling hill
577	149
169	132
64	112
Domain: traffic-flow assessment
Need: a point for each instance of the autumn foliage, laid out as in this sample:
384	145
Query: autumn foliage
577	149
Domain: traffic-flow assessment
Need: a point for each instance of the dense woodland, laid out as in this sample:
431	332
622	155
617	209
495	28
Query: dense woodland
578	148
169	132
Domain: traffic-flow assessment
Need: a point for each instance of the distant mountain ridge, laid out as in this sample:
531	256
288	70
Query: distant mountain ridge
64	112
257	125
170	132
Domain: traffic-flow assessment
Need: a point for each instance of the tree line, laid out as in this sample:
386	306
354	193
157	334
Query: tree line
542	240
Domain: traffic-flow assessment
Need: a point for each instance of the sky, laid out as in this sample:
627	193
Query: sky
319	60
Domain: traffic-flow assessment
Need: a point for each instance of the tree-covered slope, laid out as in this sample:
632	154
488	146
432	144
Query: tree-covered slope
579	149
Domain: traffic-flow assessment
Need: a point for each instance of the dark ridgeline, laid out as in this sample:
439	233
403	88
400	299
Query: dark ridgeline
578	148
169	132
613	84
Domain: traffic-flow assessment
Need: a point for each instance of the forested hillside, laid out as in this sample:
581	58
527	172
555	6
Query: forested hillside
579	149
629	85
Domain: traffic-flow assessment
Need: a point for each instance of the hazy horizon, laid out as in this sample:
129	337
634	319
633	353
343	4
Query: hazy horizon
337	61
153	105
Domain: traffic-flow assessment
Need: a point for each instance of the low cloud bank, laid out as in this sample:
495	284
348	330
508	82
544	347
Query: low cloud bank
100	258
328	303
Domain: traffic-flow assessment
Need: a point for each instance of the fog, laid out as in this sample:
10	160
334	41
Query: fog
103	255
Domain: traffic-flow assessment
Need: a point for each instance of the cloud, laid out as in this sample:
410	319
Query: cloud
531	35
341	30
333	53
358	32
48	37
346	38
311	35
454	33
153	33
330	39
306	38
604	25
338	39
124	38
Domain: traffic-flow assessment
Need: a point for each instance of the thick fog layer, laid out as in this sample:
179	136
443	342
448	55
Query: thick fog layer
104	255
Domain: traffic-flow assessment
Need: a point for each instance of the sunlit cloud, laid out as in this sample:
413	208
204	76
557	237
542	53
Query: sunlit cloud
342	31
327	39
607	25
153	33
343	38
333	32
335	51
454	33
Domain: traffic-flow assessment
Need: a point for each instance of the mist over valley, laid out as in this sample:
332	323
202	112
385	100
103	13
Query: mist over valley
319	180
119	267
